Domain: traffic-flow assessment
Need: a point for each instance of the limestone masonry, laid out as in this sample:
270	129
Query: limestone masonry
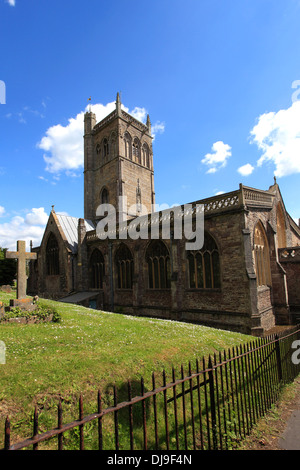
244	278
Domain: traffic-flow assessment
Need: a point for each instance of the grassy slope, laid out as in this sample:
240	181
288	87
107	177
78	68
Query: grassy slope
90	350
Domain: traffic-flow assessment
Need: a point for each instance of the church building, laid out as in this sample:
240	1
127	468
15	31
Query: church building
243	278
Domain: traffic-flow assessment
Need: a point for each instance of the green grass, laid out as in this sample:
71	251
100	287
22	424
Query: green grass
90	350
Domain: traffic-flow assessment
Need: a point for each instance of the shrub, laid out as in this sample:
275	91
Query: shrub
42	312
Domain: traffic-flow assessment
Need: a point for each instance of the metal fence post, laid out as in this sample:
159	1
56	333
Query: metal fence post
7	434
212	403
278	358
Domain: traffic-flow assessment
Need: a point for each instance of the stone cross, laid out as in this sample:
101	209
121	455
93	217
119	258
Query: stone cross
21	256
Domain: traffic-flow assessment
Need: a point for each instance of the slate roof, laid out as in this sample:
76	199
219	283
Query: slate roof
69	226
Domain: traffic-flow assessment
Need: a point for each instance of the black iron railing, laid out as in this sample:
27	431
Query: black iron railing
210	407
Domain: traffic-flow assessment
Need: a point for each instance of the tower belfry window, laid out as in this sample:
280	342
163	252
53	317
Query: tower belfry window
105	148
104	196
145	154
136	151
127	141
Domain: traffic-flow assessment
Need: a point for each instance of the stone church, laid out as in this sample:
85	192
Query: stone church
244	277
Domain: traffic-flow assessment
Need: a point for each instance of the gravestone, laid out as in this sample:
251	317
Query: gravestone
2	352
6	289
21	257
2	311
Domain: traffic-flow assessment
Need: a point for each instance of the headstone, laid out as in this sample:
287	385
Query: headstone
2	352
21	256
6	289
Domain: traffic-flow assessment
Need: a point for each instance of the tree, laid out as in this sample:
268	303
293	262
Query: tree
8	269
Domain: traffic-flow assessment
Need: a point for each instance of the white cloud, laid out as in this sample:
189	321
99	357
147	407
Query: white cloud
139	113
36	217
62	213
246	170
157	128
217	159
42	178
277	135
12	3
2	211
30	227
63	145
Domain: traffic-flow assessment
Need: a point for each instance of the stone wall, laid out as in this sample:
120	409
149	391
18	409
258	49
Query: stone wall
117	172
227	307
290	261
238	304
55	286
272	303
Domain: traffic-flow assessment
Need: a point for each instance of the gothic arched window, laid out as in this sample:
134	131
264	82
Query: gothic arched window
52	256
281	233
145	155
261	255
104	196
204	266
105	148
96	269
158	260
136	150
124	264
112	144
127	140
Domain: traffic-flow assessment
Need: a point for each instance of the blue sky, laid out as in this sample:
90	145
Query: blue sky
220	80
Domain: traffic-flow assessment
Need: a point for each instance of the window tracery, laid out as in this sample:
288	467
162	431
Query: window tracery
52	255
124	264
204	266
158	260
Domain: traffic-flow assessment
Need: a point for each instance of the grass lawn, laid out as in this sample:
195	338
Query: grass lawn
90	350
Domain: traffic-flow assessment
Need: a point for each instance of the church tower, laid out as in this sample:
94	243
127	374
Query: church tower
118	161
